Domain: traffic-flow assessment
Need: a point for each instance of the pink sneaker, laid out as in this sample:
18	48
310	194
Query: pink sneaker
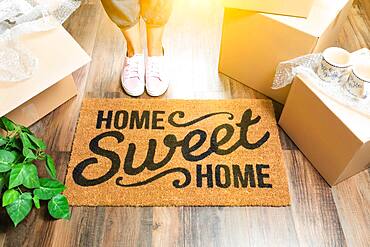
132	77
156	83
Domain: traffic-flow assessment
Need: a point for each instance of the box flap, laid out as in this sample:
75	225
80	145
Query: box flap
322	14
59	55
296	8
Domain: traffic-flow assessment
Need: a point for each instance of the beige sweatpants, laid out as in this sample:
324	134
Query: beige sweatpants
126	13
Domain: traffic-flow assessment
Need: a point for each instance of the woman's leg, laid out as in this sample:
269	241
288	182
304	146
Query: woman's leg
126	15
156	14
154	40
132	36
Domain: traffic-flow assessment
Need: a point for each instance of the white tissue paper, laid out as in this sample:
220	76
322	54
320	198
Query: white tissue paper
307	66
18	17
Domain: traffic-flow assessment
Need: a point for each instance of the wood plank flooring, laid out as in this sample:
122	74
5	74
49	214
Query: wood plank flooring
319	215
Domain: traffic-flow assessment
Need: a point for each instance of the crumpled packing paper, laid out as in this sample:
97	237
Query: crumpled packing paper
18	17
307	66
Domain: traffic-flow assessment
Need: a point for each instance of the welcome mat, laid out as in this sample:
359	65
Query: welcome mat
177	153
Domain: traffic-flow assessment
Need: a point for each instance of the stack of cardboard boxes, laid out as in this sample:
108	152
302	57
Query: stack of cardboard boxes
254	43
257	36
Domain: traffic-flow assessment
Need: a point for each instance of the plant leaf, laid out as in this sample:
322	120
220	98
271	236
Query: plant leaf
58	207
2	182
10	196
48	188
20	208
50	166
3	141
39	143
25	174
15	143
27	195
6	159
26	130
18	157
7	124
27	147
28	154
5	167
36	201
25	141
16	175
6	156
31	178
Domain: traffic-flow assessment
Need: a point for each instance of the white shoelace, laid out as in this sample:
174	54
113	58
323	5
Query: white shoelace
132	68
154	70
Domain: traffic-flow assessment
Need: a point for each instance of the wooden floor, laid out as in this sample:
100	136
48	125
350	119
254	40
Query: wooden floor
318	216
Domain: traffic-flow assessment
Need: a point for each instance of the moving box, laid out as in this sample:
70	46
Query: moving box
334	137
51	85
253	44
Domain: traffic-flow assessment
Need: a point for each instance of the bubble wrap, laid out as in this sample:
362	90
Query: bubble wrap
18	17
307	66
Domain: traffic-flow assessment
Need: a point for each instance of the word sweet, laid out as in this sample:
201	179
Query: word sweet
122	119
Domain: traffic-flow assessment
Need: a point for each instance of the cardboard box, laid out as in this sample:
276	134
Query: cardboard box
298	8
51	85
253	44
43	103
333	137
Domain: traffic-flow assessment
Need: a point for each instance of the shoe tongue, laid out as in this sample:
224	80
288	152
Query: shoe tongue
155	58
135	57
156	61
138	55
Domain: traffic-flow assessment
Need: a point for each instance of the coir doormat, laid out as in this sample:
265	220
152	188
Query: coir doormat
177	153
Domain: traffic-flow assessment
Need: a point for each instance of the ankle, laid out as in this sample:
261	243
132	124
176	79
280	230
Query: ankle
155	51
132	52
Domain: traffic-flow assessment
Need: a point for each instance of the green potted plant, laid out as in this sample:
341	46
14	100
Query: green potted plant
20	185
